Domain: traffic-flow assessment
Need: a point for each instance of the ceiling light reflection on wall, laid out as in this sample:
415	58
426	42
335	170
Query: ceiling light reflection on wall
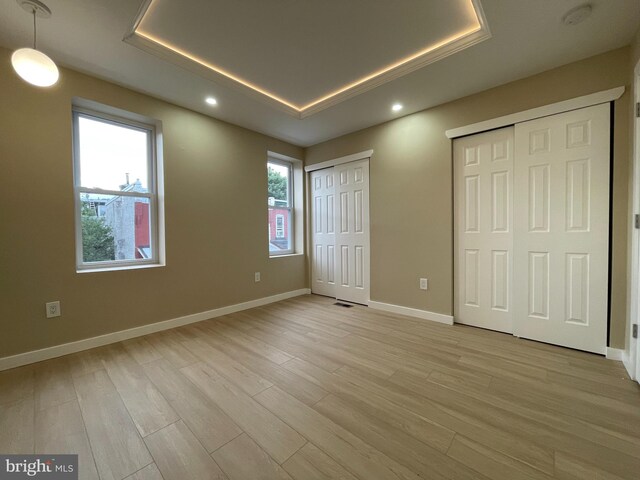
211	101
396	107
30	64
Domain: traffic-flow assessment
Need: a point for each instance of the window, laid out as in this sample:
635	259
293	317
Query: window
116	190
280	206
280	226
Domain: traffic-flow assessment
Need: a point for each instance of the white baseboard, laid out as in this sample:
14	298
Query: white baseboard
614	354
87	343
412	312
627	361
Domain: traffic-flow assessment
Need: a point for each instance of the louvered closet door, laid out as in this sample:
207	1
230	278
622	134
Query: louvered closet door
483	168
352	231
562	228
323	238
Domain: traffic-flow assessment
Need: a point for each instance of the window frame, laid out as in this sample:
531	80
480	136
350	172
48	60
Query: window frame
153	194
290	207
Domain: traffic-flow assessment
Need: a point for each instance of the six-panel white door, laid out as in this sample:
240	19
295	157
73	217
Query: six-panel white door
562	228
340	232
483	257
323	238
352	231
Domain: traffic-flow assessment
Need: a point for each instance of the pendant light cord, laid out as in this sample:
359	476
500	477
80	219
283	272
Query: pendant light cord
35	30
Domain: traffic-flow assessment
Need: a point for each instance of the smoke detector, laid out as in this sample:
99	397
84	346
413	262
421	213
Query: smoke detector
577	15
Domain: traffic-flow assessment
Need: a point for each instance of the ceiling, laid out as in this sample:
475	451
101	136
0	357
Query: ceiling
310	70
314	57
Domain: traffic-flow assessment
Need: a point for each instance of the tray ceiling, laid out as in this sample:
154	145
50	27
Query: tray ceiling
304	56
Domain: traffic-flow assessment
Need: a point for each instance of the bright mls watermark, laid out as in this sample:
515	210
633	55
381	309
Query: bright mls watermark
51	467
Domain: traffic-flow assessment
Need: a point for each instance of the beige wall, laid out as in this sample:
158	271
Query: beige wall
411	184
635	49
216	219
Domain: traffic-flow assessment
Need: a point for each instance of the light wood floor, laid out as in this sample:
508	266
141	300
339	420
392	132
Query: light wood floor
306	390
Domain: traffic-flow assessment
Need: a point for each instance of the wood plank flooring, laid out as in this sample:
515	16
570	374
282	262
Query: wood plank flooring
306	390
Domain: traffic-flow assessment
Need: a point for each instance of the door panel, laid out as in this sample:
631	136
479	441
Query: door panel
562	228
323	233
483	173
500	280
352	238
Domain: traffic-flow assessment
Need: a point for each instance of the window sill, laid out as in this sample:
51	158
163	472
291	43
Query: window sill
119	267
287	255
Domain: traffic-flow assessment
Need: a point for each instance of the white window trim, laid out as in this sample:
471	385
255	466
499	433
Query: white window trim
155	180
290	207
296	216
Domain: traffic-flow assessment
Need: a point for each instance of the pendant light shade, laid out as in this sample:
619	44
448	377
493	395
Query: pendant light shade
35	67
30	64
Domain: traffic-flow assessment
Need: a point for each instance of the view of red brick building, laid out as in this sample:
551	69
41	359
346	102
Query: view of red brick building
142	234
278	226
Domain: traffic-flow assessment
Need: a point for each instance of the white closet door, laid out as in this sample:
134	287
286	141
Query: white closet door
323	238
483	172
352	231
562	228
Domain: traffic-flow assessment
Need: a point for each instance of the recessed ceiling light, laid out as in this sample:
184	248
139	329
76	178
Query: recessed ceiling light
211	101
396	107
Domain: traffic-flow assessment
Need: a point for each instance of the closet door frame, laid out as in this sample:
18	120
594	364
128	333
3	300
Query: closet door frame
605	96
360	156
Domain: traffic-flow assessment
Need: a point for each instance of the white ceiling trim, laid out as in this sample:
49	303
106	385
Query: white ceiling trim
539	112
339	161
153	44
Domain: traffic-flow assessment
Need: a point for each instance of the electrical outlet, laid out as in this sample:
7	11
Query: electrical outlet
53	309
424	284
257	276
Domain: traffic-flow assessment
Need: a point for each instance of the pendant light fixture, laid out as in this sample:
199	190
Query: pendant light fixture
32	65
